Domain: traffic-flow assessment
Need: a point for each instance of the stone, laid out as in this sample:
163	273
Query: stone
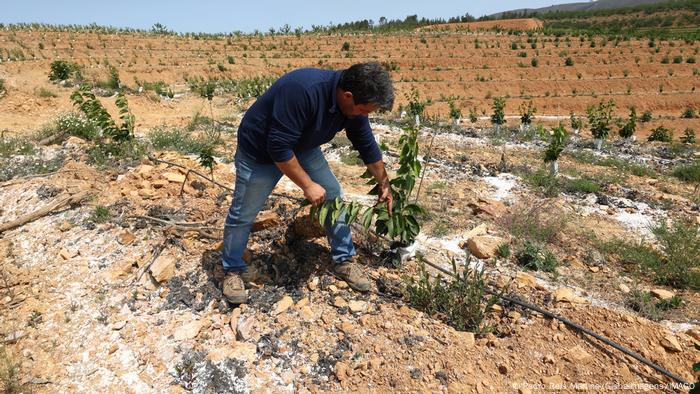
188	331
357	306
220	353
375	363
163	268
347	327
144	169
524	390
467	338
125	238
116	326
525	279
503	369
341	371
624	288
65	254
159	183
564	294
339	302
266	220
514	315
246	329
174	177
313	283
670	343
244	351
484	246
74	142
662	294
478	230
306	313
694	333
577	355
302	303
65	225
282	305
488	207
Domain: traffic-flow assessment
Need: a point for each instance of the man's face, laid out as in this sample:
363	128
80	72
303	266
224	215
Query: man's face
350	109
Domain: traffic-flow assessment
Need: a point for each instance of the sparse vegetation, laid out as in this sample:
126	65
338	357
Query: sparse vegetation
628	129
534	257
646	305
462	301
660	133
62	70
600	118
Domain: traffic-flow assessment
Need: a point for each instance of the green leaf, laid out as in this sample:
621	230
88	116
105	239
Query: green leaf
367	218
323	212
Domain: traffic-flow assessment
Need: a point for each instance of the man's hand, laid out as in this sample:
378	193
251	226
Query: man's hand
385	195
315	193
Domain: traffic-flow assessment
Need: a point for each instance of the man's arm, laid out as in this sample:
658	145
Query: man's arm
313	192
378	171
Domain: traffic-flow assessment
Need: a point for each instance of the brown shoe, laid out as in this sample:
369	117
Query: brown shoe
351	272
234	288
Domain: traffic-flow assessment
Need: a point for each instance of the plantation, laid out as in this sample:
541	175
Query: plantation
551	161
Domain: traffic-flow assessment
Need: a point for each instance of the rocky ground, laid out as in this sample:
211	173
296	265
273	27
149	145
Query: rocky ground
121	293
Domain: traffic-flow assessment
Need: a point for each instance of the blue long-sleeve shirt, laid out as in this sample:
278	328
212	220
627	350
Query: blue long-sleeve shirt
297	113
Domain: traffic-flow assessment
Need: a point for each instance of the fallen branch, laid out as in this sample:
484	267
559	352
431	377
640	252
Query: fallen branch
50	139
295	199
24	178
59	202
156	252
182	226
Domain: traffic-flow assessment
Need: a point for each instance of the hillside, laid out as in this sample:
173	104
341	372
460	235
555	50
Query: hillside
576	7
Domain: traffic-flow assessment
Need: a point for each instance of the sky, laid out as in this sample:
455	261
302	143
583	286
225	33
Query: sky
221	16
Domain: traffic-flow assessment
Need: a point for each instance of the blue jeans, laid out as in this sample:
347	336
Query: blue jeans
254	183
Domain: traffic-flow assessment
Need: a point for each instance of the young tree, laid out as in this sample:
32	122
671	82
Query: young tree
599	120
628	129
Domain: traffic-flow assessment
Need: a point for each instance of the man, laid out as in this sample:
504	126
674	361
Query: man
280	135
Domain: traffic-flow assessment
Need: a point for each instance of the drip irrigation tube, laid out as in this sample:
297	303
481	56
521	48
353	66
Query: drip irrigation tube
576	326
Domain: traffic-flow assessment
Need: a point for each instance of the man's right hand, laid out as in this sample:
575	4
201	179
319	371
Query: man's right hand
315	193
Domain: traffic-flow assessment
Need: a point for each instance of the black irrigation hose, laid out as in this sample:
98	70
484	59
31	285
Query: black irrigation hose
575	326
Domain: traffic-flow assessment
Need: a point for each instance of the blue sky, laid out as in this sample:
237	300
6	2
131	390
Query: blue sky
213	16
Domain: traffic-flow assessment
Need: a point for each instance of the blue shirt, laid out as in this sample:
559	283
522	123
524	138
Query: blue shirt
297	113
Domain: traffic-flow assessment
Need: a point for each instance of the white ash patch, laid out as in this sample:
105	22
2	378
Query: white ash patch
503	183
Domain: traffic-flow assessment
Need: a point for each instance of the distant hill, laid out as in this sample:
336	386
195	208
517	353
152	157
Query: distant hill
587	6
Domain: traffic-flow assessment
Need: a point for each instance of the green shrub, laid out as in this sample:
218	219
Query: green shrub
532	256
346	46
534	62
527	112
580	185
557	143
231	60
461	302
569	62
63	70
351	158
646	117
503	251
45	93
677	59
689	113
688	136
660	133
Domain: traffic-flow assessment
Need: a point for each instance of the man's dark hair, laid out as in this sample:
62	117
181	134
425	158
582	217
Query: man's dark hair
368	83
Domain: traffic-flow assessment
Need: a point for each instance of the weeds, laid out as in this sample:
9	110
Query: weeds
100	214
461	301
45	93
351	158
646	305
9	374
539	222
176	139
532	256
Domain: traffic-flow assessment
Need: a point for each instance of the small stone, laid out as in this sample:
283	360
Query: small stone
116	326
503	369
313	283
113	348
347	327
594	269
341	371
564	294
375	363
302	303
514	315
577	355
485	246
339	302
246	329
282	305
244	351
497	308
159	183
306	313
144	169
333	289
524	390
526	280
357	306
694	333
624	288
163	268
662	294
188	331
125	238
65	225
174	177
670	343
341	284
467	338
